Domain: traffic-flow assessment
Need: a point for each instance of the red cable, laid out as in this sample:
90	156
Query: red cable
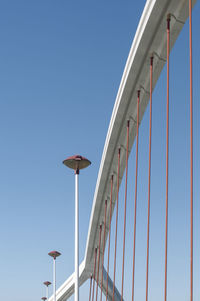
118	172
149	180
90	287
95	258
109	236
136	175
127	147
191	156
98	260
167	155
104	237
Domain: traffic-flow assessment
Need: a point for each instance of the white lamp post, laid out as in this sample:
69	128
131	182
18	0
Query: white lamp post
47	283
76	162
54	254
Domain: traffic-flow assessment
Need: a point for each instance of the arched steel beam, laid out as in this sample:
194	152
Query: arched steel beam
150	38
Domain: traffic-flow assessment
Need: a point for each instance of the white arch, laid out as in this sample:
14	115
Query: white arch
150	38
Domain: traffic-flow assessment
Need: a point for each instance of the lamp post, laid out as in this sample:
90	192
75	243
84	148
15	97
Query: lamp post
47	283
44	298
76	162
54	254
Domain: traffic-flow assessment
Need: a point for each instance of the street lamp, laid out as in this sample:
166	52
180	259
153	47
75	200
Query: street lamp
47	283
54	254
76	162
44	298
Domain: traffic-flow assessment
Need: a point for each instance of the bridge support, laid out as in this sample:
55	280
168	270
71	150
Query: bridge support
117	296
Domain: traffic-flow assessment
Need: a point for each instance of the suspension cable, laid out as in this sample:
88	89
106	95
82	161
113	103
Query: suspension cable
95	258
111	190
90	287
117	205
126	180
167	156
100	229
191	154
136	175
104	237
149	179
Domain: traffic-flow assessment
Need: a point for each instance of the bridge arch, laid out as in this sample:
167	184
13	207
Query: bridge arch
150	39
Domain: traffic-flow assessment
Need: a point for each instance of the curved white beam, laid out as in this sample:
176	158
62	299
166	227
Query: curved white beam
150	38
66	290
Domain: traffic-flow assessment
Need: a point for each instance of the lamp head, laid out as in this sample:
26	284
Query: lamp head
54	254
47	283
76	162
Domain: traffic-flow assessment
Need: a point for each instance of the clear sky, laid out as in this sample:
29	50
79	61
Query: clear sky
61	64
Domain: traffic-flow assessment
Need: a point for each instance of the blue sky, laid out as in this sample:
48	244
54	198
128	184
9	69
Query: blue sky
61	65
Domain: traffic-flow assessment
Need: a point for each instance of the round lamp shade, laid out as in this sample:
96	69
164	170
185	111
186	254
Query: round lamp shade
54	254
47	283
76	162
